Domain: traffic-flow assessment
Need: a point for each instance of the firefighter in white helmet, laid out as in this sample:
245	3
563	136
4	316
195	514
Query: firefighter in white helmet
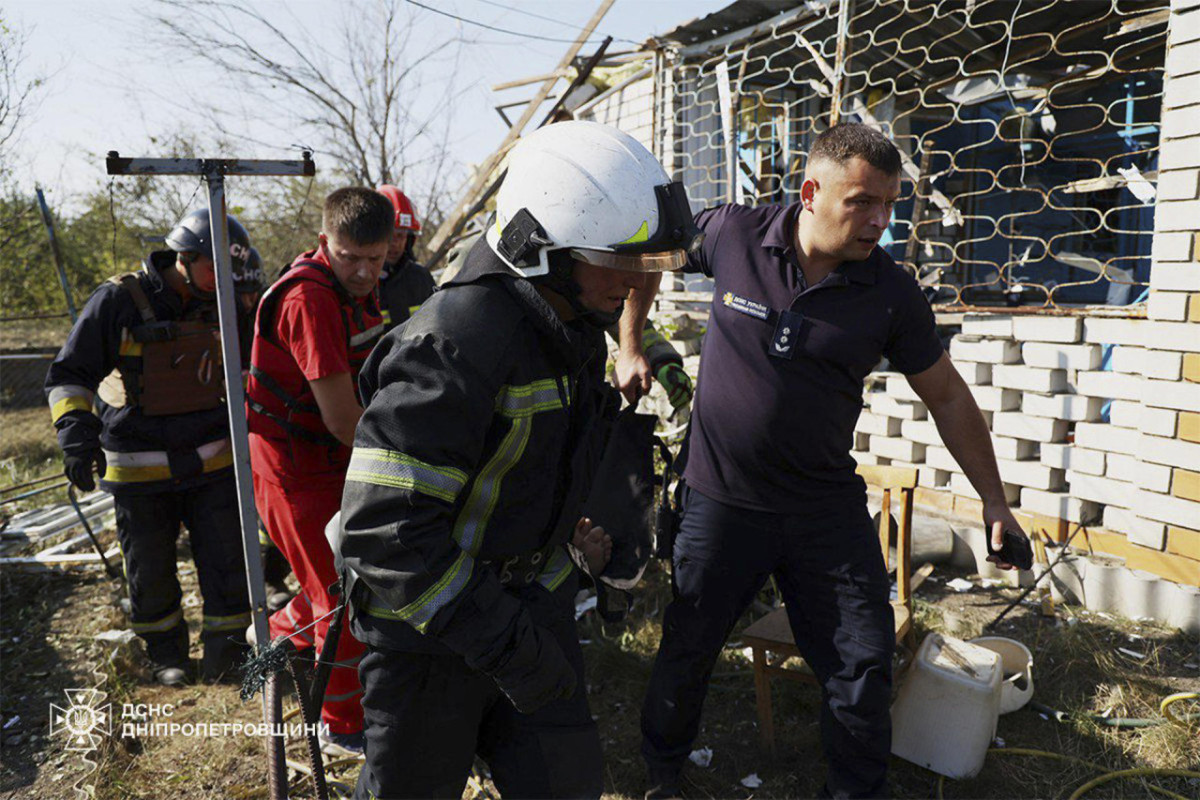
485	420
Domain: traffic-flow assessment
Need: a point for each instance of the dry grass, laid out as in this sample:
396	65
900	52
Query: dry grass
1077	670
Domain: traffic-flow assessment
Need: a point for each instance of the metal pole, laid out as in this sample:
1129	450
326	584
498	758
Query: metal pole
839	69
231	356
58	262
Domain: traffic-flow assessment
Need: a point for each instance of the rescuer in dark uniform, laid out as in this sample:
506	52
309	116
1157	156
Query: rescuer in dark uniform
137	395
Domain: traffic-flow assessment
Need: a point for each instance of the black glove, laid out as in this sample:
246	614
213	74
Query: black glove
537	673
78	468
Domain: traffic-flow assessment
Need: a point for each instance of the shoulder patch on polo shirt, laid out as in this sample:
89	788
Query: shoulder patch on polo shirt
745	305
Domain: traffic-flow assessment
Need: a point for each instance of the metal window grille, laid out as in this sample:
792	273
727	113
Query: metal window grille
1030	131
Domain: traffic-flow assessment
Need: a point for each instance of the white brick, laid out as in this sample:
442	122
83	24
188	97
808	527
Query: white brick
1168	306
921	431
1127	359
1121	467
1171	246
1108	438
993	398
1178	155
891	407
1152	477
897	449
898	387
1099	490
1060	506
960	485
1109	385
1181	337
1173	452
1176	277
1181	91
1035	328
997	325
1112	330
877	424
1029	379
932	477
1176	215
1068	456
974	373
1014	449
1061	356
1033	474
940	458
1178	395
1183	59
1147	532
1162	364
1024	426
1118	519
992	351
1164	508
1125	413
1180	184
1074	407
1158	421
870	459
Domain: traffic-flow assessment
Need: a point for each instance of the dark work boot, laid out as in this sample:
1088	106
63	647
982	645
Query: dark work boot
664	784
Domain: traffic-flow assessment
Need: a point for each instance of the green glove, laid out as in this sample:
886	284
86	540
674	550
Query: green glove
676	383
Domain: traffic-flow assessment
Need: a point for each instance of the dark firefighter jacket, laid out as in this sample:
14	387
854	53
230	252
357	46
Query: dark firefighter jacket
485	420
145	453
403	289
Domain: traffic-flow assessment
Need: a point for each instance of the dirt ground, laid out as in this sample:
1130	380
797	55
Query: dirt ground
48	622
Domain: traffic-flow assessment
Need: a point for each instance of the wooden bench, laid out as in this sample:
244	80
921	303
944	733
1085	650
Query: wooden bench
773	635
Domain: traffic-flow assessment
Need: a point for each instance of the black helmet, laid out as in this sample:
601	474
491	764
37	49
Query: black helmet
192	235
250	278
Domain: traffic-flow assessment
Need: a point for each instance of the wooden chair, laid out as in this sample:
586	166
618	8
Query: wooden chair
773	635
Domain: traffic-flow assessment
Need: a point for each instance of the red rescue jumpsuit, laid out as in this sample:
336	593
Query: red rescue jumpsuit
308	328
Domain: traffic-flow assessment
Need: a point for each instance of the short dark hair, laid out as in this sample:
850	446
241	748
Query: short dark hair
362	215
853	139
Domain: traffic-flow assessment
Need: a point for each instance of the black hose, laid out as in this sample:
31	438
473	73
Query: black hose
109	568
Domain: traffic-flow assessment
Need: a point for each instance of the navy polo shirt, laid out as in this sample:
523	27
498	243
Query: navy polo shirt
782	365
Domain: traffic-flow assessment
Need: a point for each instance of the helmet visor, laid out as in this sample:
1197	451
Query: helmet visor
665	261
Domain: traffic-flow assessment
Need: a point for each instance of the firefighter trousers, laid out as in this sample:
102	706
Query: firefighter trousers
148	530
295	517
429	715
829	569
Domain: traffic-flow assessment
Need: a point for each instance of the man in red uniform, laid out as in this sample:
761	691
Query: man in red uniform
316	325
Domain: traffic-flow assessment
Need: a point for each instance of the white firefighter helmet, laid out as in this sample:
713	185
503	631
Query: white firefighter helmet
593	190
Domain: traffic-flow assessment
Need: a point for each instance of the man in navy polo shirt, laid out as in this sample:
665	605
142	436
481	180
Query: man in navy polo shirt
804	306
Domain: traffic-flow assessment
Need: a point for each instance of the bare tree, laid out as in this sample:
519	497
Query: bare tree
18	91
351	90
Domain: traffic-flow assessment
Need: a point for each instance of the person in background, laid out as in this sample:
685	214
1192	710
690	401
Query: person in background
137	395
404	283
316	325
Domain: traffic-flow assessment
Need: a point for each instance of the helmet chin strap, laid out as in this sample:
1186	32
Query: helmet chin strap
561	281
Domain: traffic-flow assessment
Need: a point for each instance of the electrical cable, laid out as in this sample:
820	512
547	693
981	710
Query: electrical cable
547	19
494	28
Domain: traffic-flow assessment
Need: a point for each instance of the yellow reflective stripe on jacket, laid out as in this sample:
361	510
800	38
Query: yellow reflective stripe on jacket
66	398
419	612
557	568
531	398
232	622
155	466
160	626
387	316
401	471
413	309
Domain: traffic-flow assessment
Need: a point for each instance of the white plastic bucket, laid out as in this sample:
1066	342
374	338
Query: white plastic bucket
1017	663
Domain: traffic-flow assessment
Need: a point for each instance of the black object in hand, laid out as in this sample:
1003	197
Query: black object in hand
1015	550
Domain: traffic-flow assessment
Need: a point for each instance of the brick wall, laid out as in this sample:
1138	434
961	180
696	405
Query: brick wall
1095	419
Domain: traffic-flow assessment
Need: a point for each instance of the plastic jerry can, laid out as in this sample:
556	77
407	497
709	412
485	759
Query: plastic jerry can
945	713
